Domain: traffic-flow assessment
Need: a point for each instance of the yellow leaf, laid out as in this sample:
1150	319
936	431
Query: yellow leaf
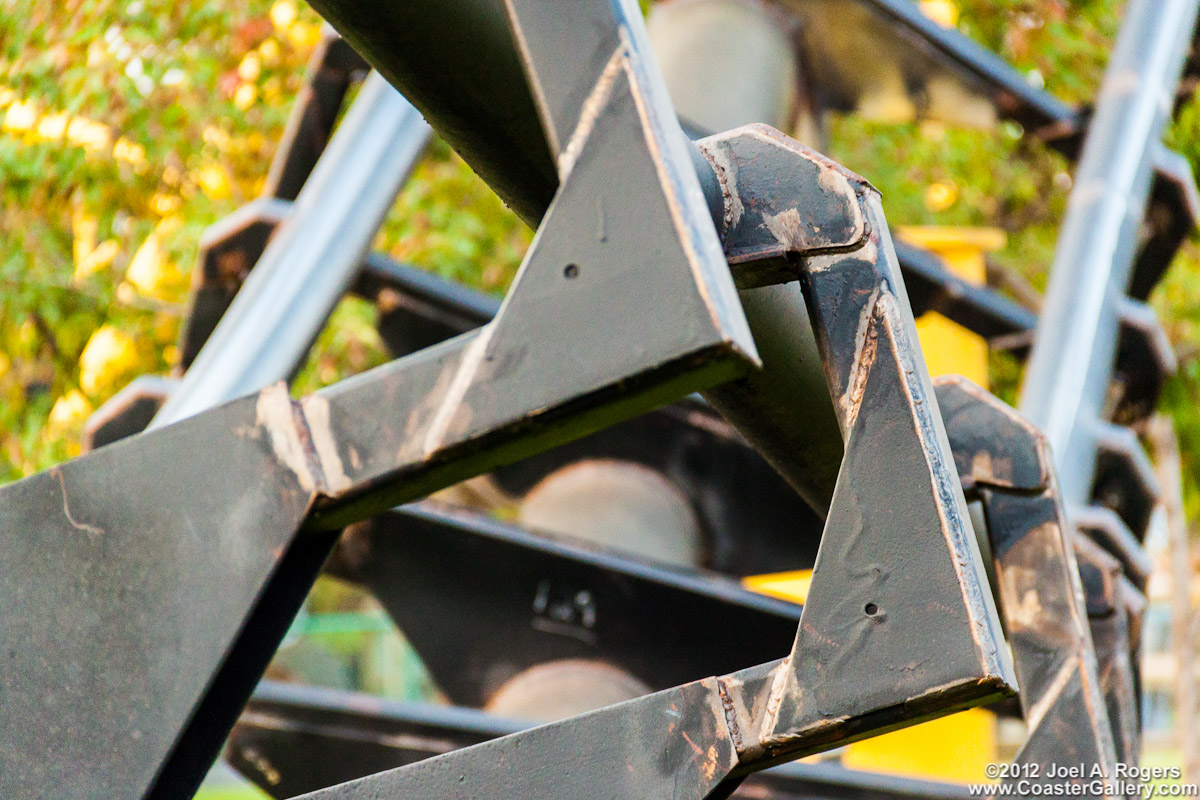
165	204
250	68
213	181
304	35
130	152
283	13
53	126
83	232
940	196
245	96
943	12
269	52
216	137
100	258
109	356
69	410
20	117
273	90
166	328
150	271
89	134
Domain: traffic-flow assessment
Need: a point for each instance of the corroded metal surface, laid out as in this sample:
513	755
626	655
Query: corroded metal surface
1005	463
139	619
1112	603
295	739
631	258
867	591
674	743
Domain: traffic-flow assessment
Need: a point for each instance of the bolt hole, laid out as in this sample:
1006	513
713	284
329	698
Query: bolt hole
871	609
571	271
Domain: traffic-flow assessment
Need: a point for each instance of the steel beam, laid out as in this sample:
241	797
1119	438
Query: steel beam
305	269
1004	463
173	653
294	739
480	601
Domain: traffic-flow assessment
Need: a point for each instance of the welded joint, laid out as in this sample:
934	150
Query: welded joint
300	437
782	202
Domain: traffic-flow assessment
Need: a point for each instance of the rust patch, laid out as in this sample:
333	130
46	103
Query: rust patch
725	169
731	717
864	360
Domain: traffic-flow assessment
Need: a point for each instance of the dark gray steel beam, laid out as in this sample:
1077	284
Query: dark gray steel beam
1113	606
292	469
1005	464
171	582
478	599
704	737
295	739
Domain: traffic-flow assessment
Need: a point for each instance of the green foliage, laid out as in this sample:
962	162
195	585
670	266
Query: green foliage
126	129
1022	188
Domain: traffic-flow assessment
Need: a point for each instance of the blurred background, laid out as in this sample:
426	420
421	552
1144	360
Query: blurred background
128	127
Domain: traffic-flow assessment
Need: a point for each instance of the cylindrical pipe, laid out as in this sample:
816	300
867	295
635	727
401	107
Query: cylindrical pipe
729	63
310	262
1072	360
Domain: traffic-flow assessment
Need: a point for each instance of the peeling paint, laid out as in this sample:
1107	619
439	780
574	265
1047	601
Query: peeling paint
316	417
276	415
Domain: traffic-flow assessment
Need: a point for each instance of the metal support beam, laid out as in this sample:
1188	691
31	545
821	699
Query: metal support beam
174	653
1005	464
295	739
480	601
307	266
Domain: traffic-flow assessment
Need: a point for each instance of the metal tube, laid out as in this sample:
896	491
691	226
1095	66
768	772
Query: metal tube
727	63
1072	360
310	262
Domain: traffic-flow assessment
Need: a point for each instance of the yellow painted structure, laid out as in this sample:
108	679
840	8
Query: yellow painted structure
960	746
791	586
949	348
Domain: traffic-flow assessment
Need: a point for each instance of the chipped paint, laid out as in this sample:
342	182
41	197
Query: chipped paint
275	413
316	417
464	377
725	168
786	227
